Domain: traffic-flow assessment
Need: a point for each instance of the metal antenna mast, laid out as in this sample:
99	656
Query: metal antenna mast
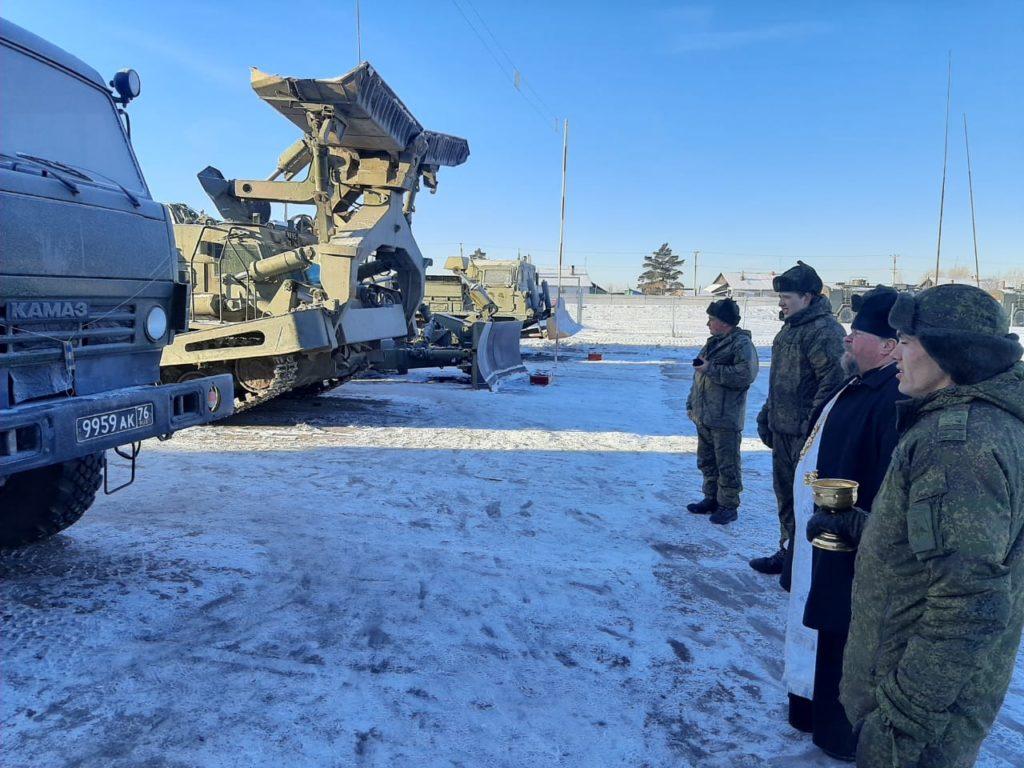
359	38
970	186
945	156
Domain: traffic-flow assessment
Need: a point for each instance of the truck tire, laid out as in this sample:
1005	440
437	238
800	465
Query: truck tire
846	314
1018	317
39	503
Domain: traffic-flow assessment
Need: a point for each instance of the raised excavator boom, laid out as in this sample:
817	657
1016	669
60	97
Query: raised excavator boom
365	154
365	157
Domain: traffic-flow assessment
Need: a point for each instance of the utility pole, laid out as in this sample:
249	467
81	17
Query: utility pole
695	286
561	225
460	250
894	257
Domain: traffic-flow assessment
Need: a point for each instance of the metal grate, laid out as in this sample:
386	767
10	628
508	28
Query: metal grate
41	338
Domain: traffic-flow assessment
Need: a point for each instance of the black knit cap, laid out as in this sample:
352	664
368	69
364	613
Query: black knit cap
962	328
726	310
872	310
798	279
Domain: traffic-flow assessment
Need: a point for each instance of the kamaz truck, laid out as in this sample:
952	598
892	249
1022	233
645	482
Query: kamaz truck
90	292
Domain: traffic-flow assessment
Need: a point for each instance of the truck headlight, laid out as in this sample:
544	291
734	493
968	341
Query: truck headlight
156	323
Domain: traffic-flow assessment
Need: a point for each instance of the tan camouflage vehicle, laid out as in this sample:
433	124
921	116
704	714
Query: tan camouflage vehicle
310	303
500	290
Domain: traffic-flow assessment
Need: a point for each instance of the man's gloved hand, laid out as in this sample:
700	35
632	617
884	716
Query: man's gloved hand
764	433
848	525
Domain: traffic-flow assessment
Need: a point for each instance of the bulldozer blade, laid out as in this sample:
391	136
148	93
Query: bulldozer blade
560	325
496	354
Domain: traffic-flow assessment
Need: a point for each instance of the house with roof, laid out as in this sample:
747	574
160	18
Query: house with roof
741	284
574	280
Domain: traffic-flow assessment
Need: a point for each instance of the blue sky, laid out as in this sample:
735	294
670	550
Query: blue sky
755	132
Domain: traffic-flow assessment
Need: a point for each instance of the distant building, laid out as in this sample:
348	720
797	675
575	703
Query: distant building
741	284
573	280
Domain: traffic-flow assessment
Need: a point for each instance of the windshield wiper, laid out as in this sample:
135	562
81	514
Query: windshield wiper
82	173
47	168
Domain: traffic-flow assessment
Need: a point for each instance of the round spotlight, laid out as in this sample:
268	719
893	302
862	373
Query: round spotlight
156	323
127	84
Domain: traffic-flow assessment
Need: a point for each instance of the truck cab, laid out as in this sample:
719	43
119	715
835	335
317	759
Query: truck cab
90	291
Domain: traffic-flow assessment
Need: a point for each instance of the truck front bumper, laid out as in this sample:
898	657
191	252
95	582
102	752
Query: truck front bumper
40	434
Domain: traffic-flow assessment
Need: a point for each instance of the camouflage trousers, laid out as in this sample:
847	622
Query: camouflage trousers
718	459
785	456
879	746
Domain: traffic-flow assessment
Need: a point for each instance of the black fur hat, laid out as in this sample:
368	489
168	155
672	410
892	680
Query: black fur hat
872	310
962	328
798	279
726	310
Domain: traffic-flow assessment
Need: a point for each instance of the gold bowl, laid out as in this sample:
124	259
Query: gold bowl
834	495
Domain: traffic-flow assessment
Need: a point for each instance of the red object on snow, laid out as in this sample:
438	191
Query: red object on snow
541	379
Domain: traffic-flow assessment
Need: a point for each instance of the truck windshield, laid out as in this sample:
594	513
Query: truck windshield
51	114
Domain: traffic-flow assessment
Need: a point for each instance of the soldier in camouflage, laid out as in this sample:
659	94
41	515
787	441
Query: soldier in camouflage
805	372
938	603
723	371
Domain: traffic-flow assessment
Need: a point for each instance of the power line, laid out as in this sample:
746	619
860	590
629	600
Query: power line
516	77
522	81
644	250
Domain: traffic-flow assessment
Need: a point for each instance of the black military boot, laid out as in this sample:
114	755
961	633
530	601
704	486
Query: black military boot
771	564
724	515
703	507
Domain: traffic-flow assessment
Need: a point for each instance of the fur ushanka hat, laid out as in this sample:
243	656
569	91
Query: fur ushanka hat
962	328
798	279
726	310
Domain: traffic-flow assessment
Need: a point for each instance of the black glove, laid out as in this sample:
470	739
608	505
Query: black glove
764	433
848	525
698	362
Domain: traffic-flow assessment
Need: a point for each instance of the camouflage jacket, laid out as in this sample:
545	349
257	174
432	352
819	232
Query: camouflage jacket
805	368
938	597
718	398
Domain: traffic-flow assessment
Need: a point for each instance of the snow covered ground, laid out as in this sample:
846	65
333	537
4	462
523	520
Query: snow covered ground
407	572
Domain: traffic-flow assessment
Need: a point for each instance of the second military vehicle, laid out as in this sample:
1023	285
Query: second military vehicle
503	289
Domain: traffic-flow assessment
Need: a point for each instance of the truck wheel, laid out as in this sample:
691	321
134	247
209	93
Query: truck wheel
1018	317
846	315
36	504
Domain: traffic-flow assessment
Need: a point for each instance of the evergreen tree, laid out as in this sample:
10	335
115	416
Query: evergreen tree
661	272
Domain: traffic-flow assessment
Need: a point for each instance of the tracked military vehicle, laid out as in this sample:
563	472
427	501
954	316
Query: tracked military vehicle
504	289
841	298
89	292
312	303
1012	300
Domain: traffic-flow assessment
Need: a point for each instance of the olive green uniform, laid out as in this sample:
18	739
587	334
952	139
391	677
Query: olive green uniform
938	597
717	404
805	372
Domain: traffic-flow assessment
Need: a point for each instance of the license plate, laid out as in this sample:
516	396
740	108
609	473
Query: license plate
113	422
